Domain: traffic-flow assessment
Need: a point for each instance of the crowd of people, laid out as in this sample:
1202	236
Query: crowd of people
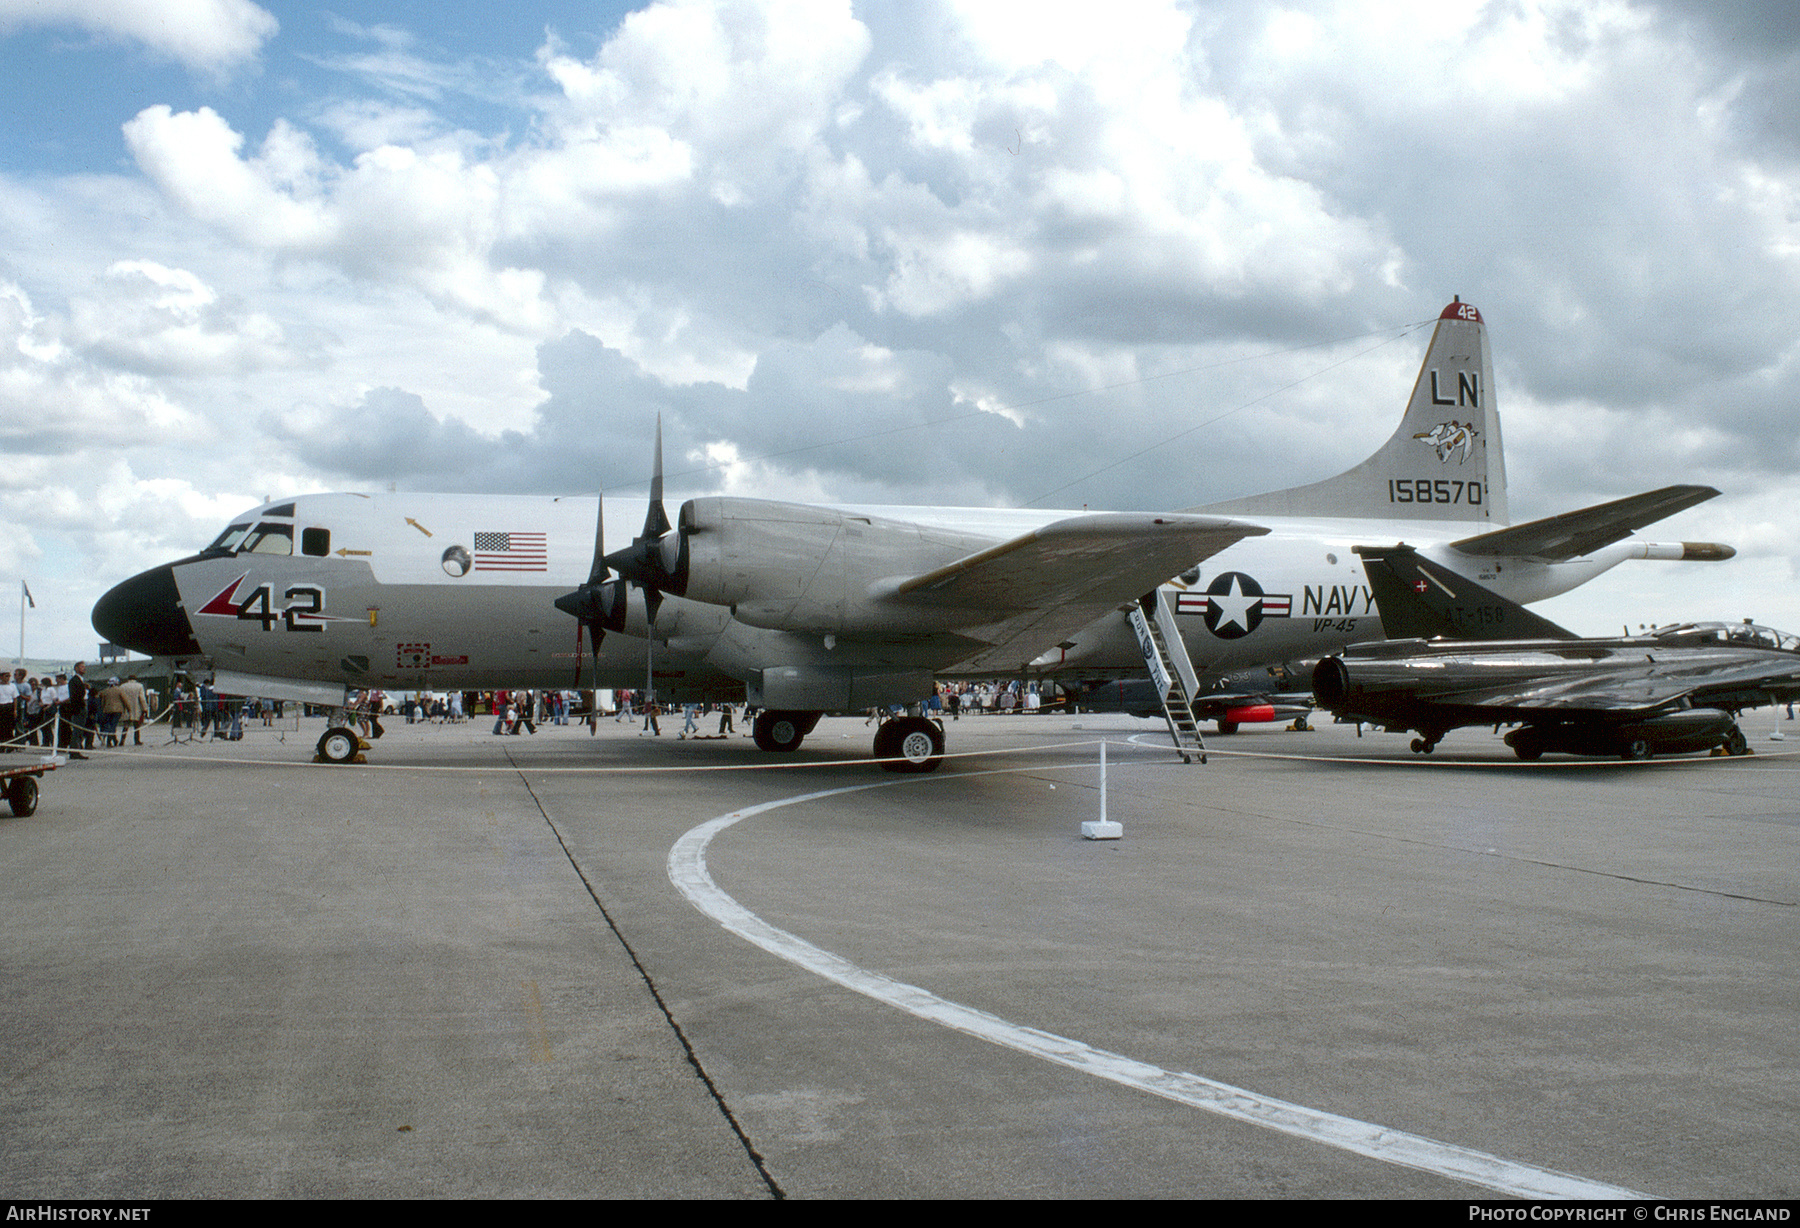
67	710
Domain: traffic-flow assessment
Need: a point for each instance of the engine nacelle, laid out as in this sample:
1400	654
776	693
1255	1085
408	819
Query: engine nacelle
797	567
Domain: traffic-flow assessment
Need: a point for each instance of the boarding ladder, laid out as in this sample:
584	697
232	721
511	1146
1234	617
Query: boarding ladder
1153	620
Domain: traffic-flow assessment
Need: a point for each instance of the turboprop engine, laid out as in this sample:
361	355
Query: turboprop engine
797	567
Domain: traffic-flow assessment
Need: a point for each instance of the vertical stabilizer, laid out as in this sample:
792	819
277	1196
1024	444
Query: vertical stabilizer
1418	599
1444	463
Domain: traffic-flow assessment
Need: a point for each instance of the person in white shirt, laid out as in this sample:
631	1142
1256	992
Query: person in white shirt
9	709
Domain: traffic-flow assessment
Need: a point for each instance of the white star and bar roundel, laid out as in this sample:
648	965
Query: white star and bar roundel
1234	605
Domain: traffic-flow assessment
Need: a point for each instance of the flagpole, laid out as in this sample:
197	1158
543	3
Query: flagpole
24	597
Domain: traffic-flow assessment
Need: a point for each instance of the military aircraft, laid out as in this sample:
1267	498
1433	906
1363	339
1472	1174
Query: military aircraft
815	609
1467	656
1271	693
804	609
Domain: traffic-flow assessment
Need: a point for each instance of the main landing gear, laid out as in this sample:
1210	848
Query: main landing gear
782	731
910	744
904	743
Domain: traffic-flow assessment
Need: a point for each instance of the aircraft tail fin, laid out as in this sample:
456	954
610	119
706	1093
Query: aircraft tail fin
1445	462
1573	534
1418	599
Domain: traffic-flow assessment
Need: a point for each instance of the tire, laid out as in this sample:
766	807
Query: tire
22	796
778	732
1529	749
886	734
1638	749
1227	727
910	744
338	745
1736	743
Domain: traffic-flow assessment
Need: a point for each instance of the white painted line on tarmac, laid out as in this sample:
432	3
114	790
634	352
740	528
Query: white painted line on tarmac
687	870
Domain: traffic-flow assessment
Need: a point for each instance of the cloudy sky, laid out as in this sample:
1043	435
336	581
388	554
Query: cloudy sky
1137	255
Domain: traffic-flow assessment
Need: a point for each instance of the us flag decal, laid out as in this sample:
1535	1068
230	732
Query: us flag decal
512	552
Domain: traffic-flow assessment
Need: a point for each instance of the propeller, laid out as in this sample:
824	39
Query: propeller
655	561
598	606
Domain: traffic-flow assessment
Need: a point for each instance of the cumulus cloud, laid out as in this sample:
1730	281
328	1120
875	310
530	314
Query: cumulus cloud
152	319
207	35
53	402
992	249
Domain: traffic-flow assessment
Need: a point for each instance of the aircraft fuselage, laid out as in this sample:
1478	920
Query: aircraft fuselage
441	592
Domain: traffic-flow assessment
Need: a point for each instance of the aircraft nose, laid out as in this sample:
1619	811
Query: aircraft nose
144	614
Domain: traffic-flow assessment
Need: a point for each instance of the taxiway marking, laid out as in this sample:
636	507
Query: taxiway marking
687	870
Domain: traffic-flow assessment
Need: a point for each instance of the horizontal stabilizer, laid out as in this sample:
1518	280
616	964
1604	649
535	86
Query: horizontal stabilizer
1418	599
1574	534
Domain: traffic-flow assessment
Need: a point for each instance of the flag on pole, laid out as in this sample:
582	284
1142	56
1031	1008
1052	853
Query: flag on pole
26	589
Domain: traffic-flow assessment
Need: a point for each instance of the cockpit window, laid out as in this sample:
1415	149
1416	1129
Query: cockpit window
270	539
1736	633
1767	637
286	509
228	541
316	542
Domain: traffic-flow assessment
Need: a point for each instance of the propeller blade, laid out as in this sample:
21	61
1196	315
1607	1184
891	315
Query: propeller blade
656	520
592	605
597	570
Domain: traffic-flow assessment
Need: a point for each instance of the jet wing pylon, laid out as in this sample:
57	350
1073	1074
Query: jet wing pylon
1576	533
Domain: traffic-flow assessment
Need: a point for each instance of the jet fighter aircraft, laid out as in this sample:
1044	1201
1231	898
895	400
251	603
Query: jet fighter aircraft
804	609
1471	657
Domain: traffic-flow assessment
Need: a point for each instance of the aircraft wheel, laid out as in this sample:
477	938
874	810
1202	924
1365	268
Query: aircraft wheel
910	744
1529	749
778	732
1226	727
884	742
1424	746
338	745
1736	743
22	795
1639	749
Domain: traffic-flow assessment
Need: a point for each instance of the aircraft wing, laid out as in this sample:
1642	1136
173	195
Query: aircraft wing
1573	534
1641	681
1024	595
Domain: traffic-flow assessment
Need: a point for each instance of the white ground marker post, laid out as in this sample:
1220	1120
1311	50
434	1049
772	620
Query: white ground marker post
1102	828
